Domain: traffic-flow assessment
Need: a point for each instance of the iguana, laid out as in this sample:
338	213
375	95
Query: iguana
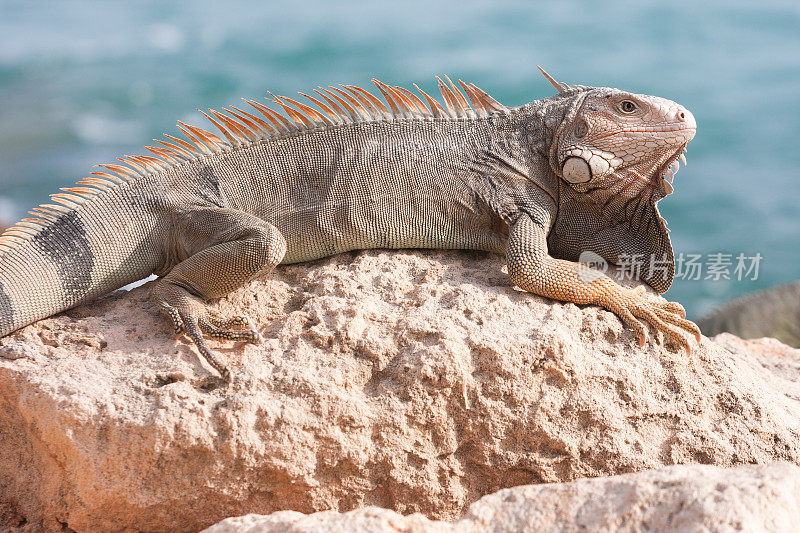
578	171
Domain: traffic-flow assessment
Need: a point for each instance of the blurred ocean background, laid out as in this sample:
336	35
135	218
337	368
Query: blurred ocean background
83	82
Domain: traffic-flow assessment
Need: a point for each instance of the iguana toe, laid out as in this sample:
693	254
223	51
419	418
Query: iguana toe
632	322
195	332
674	307
190	316
223	328
680	322
666	324
236	322
667	318
175	316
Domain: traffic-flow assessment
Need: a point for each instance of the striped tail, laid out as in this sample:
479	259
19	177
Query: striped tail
69	256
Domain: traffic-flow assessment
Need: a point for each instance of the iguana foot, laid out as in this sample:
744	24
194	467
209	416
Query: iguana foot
224	249
668	318
191	316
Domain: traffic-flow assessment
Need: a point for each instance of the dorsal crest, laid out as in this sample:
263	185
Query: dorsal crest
561	87
346	104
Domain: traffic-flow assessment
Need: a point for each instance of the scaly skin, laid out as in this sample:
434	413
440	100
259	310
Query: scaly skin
543	182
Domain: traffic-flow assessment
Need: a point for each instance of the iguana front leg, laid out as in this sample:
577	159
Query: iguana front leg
532	269
224	249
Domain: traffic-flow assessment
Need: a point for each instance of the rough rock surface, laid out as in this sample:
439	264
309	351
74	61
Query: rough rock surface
414	381
771	313
674	498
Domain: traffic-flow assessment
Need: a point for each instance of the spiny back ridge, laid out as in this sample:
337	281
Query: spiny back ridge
346	104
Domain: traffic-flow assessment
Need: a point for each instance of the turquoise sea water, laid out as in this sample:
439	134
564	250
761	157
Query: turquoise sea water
84	82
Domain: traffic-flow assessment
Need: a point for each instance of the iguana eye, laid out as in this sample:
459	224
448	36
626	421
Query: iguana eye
626	106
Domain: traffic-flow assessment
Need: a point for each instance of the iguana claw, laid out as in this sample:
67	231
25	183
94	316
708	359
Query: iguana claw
193	318
668	318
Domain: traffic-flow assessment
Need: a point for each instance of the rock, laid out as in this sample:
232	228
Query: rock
364	520
674	498
413	381
771	313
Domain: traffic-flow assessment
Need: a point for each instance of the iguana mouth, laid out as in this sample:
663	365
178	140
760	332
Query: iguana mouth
660	180
666	173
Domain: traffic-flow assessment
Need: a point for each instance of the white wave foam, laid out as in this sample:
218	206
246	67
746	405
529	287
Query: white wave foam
10	212
102	130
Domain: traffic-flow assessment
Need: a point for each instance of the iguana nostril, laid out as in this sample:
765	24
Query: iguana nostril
685	116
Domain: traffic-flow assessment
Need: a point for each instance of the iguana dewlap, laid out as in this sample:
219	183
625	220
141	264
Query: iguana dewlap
541	183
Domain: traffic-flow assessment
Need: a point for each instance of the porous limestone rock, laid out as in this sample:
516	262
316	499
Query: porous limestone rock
414	381
673	498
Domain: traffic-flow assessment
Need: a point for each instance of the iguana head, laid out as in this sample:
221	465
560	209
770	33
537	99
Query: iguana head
616	154
624	143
